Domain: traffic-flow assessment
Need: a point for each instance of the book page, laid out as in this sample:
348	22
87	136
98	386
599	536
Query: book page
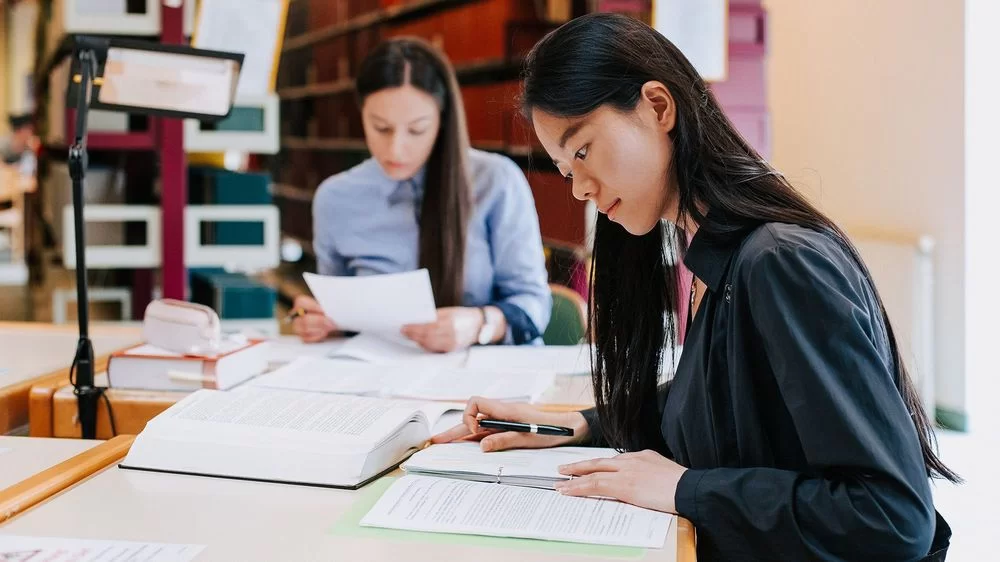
380	304
441	505
51	549
260	415
469	457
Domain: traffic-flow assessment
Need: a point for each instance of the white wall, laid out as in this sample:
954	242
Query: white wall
982	203
866	100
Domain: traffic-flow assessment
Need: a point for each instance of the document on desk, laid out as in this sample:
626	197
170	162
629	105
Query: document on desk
51	549
442	505
375	303
414	380
560	359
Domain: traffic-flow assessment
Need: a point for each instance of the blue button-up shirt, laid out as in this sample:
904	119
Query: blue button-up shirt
366	223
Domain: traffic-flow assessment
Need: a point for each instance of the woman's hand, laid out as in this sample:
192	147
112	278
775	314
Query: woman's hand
493	440
455	328
312	326
646	479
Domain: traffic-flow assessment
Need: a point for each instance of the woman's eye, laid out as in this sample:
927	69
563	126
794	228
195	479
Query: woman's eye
582	153
383	131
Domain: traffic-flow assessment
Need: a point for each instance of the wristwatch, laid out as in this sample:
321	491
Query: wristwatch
489	328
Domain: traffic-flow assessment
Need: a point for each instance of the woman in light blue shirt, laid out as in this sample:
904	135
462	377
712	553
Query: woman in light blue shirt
425	199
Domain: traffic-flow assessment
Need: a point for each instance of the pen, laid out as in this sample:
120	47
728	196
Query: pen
526	427
295	313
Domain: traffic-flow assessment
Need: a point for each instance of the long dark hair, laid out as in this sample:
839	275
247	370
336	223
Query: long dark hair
605	59
444	214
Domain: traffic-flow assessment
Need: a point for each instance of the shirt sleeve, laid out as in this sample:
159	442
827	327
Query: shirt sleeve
328	261
520	284
865	493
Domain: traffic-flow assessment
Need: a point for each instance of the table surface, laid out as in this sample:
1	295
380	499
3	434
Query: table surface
249	521
29	350
21	457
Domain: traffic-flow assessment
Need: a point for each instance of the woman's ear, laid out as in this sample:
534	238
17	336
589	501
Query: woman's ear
656	97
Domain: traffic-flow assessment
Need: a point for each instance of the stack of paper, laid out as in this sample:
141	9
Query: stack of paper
416	380
442	505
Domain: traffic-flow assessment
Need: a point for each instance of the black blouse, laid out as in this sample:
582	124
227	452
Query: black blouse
785	411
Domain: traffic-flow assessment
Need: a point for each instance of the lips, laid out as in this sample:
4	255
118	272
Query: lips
610	209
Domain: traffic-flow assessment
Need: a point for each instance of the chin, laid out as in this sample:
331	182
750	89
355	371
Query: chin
639	227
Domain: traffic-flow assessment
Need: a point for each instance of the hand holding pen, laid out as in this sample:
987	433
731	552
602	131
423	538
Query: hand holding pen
309	321
502	425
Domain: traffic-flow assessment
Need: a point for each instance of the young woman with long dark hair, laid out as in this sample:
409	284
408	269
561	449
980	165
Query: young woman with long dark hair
426	199
790	430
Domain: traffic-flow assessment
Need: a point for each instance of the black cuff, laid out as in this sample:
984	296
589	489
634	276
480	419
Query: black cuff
522	329
596	435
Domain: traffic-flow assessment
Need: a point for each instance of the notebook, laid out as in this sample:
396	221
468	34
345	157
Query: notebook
416	380
283	436
534	468
146	367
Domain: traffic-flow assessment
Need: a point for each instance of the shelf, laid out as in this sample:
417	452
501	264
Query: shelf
291	192
523	155
385	15
141	141
486	70
306	143
316	90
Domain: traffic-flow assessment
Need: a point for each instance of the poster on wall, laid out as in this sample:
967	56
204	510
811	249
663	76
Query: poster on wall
253	27
699	29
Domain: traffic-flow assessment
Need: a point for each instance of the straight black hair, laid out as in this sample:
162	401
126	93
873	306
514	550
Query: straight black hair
447	202
604	59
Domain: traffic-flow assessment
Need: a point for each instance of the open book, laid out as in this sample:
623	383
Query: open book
418	381
535	468
284	436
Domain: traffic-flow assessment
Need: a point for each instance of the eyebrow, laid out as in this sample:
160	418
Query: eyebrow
414	122
569	132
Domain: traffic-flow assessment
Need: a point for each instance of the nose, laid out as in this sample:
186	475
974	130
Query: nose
397	146
583	188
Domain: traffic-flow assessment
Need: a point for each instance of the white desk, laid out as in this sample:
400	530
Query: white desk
33	353
30	350
251	521
27	456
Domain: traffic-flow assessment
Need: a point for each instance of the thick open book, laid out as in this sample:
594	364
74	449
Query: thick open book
535	468
284	436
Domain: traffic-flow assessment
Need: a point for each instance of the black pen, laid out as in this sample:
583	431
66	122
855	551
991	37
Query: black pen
526	427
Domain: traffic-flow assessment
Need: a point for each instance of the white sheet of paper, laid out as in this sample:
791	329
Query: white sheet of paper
559	359
375	303
15	548
442	505
385	350
414	380
286	349
244	26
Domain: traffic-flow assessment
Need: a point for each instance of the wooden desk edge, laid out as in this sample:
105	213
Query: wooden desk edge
35	489
42	390
686	544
